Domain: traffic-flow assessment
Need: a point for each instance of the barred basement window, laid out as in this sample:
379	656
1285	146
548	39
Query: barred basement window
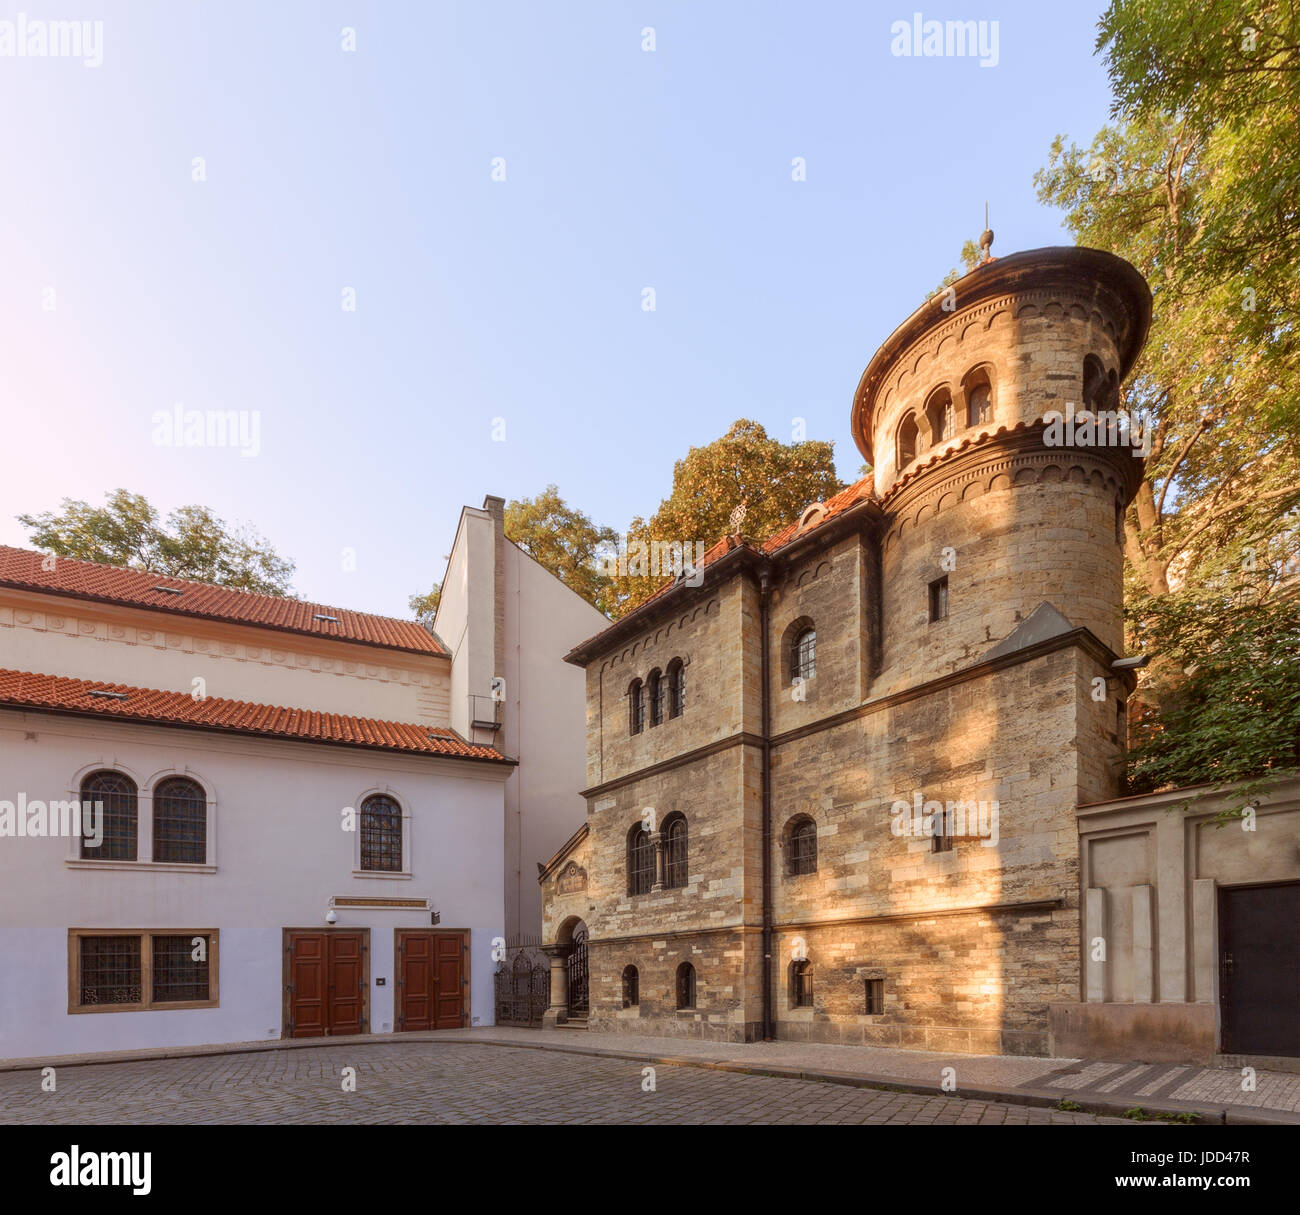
116	794
939	599
686	986
640	860
801	984
381	835
631	987
134	970
875	997
674	834
111	971
801	854
180	968
180	821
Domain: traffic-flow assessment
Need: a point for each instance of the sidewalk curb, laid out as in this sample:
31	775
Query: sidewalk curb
1209	1115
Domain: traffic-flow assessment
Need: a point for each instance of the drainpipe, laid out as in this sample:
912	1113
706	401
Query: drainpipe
764	594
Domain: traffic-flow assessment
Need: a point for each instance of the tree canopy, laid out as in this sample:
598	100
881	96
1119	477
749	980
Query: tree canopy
191	543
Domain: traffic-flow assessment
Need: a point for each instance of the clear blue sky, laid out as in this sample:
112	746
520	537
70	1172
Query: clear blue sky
477	299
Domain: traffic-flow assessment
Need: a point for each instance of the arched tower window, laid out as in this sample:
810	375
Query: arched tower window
686	986
1094	383
180	821
381	835
676	678
979	397
631	987
801	847
675	859
635	707
907	441
938	412
640	860
117	794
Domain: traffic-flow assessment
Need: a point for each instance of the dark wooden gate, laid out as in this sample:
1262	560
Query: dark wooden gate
522	986
579	1000
326	983
1259	969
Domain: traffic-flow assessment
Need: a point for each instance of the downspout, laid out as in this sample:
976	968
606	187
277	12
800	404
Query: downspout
764	595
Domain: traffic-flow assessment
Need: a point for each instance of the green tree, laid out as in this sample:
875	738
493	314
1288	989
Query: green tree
565	541
192	542
1194	185
774	481
425	607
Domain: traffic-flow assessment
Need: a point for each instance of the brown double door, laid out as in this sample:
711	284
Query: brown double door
327	983
432	979
1259	967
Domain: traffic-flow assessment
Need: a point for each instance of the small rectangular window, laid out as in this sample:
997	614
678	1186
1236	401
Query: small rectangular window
939	599
875	997
941	840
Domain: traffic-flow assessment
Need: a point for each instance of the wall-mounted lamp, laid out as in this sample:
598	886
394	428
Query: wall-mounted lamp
330	917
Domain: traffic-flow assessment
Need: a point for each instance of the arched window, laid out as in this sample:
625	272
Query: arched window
938	412
676	688
1094	383
180	821
801	984
675	864
109	800
907	436
381	835
803	655
979	397
631	987
640	860
635	707
655	686
801	847
686	986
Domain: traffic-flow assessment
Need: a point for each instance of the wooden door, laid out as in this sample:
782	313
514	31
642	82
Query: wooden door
326	983
1259	969
432	979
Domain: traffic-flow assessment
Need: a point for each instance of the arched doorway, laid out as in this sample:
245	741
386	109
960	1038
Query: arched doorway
576	965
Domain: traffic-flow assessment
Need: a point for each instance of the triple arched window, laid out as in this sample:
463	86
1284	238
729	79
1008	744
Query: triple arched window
659	699
944	414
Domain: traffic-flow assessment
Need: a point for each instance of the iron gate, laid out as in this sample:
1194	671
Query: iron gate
522	984
577	967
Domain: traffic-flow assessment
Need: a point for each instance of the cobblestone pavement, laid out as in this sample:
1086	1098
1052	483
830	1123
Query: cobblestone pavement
449	1082
1175	1082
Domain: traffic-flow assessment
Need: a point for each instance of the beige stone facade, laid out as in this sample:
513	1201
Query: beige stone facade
966	603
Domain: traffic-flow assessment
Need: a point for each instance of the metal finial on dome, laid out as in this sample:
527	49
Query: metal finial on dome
986	237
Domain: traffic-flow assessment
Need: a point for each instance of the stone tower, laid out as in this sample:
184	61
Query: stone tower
950	413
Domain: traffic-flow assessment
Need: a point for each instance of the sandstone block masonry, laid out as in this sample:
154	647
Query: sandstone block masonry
940	635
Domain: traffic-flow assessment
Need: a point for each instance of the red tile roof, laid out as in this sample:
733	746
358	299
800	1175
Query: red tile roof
22	568
55	693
